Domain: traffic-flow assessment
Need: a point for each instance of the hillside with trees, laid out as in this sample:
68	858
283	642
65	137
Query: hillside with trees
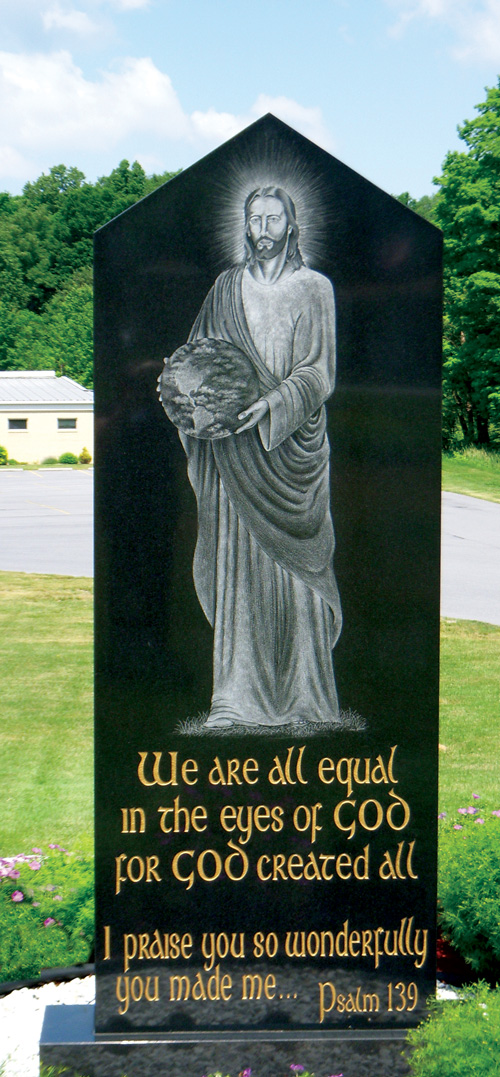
46	265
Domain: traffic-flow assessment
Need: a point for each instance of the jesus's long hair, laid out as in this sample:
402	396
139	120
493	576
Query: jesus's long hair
293	257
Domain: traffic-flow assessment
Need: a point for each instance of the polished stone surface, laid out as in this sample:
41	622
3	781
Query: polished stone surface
68	1040
255	884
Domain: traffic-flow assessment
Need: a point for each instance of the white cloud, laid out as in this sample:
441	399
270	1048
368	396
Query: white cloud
410	10
48	106
14	165
55	18
475	24
130	5
482	37
46	101
308	121
216	127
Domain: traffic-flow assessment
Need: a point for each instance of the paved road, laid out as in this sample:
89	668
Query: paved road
470	559
46	521
46	526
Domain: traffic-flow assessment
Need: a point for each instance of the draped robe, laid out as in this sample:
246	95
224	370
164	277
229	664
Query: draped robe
263	564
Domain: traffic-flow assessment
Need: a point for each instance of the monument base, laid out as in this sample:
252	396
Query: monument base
68	1040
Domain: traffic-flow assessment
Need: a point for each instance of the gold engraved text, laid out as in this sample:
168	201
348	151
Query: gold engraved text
167	773
138	869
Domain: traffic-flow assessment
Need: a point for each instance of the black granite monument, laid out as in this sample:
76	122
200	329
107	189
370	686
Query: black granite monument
267	385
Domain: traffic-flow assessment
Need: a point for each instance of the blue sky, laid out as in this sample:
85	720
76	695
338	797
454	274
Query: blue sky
381	84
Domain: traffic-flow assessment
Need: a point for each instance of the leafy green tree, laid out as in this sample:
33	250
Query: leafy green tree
49	190
69	331
23	340
425	206
46	240
88	206
59	339
26	255
468	211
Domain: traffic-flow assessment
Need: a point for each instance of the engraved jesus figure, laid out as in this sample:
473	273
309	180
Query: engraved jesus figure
263	565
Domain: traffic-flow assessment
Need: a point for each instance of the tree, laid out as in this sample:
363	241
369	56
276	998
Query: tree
49	190
69	330
425	206
468	211
59	339
46	237
26	254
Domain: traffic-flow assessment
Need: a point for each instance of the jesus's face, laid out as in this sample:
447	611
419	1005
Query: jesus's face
267	226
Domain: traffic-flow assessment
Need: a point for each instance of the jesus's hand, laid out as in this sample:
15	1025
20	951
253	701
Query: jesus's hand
253	415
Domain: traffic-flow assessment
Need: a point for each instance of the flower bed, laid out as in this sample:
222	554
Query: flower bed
46	911
469	885
295	1070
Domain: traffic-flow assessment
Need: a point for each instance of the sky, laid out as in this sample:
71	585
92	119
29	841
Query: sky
380	84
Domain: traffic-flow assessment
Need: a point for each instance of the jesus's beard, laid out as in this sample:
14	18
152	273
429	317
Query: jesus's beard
267	248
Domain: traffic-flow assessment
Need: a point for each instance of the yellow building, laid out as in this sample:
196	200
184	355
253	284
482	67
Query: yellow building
42	415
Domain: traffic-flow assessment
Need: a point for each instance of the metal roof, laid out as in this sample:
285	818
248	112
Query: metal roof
41	387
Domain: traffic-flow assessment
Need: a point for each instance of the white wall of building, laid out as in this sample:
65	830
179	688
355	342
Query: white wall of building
42	437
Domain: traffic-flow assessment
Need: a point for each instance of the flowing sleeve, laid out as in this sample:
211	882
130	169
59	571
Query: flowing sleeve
312	377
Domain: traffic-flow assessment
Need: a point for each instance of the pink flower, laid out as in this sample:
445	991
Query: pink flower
35	865
18	895
35	850
462	811
471	811
475	796
57	897
52	846
479	820
49	921
442	815
497	813
14	874
458	827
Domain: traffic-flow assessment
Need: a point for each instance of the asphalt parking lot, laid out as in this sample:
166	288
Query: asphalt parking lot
470	558
46	520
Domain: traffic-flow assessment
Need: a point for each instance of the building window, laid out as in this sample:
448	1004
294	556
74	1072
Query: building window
66	424
18	424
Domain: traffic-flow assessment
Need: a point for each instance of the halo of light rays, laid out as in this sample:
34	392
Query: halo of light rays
277	165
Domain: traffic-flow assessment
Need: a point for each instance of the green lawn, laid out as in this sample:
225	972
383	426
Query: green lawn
474	472
469	710
46	712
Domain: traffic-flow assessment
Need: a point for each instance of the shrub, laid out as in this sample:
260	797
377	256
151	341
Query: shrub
486	456
68	458
458	1039
84	457
4	456
468	885
49	461
46	912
